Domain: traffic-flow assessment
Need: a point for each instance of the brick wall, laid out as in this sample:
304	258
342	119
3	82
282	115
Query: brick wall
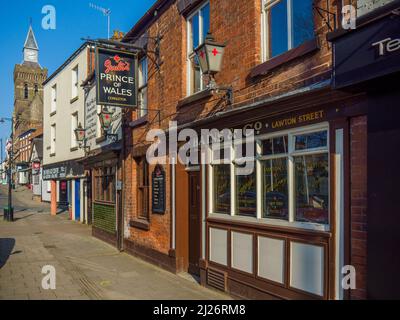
104	217
358	254
239	24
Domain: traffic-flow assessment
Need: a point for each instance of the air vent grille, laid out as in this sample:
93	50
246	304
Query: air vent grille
216	279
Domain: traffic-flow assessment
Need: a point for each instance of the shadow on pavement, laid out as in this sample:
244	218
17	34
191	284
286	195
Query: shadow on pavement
21	218
6	247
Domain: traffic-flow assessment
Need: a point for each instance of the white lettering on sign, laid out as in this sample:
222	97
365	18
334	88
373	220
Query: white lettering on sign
387	45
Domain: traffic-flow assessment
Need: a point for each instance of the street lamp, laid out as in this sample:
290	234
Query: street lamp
210	56
106	120
9	211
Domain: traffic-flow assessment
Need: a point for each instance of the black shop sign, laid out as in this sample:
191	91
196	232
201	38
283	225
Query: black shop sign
116	78
158	190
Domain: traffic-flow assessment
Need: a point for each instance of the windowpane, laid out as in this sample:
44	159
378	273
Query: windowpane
196	73
312	188
278	32
274	146
311	140
205	13
302	22
246	194
275	184
195	31
222	188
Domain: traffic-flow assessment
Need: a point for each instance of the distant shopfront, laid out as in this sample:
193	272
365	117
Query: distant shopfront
67	187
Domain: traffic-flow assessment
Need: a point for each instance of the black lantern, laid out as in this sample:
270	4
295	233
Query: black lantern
210	55
80	133
106	119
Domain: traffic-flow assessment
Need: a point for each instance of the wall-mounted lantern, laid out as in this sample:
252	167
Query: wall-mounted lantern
210	55
106	120
80	135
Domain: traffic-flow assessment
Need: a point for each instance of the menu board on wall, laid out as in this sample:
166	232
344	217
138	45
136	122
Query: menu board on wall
158	190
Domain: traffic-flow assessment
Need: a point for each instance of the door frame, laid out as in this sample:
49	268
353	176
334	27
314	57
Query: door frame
194	269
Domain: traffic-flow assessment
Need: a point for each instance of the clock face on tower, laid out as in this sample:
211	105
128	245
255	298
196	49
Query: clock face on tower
31	55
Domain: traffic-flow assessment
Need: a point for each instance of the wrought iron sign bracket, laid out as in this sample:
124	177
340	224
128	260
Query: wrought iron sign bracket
327	20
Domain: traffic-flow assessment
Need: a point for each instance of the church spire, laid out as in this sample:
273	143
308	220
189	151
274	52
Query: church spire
31	48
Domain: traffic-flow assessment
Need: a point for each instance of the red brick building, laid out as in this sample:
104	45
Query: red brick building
287	229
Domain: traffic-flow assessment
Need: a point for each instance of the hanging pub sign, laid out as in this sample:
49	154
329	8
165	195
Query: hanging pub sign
116	78
158	190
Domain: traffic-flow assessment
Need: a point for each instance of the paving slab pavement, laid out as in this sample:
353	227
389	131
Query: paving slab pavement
86	268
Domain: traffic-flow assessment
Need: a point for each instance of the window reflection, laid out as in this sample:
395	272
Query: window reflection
275	184
311	140
222	188
246	194
312	188
275	146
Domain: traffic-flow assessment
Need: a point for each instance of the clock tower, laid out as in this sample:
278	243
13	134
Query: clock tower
28	89
31	48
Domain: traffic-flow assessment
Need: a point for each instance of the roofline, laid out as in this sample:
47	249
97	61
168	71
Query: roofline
67	62
146	19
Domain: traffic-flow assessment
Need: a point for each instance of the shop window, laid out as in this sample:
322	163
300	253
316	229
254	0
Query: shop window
312	188
142	91
286	25
246	194
143	189
222	188
288	183
198	25
275	188
104	184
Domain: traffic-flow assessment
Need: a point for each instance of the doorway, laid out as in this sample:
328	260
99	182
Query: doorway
194	223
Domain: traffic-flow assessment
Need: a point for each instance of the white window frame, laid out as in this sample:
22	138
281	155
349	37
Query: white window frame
265	41
75	82
190	54
74	126
53	137
142	90
53	98
291	133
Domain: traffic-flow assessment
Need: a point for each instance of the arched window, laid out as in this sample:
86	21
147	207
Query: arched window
26	91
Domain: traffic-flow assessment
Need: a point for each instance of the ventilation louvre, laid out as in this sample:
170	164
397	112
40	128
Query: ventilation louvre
216	279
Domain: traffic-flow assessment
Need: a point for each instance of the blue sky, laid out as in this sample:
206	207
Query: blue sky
75	19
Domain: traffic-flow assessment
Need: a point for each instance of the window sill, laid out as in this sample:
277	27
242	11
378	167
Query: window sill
74	149
296	227
305	48
139	122
198	96
74	99
140	224
53	113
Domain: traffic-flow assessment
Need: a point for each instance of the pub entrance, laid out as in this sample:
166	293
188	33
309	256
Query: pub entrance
194	223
